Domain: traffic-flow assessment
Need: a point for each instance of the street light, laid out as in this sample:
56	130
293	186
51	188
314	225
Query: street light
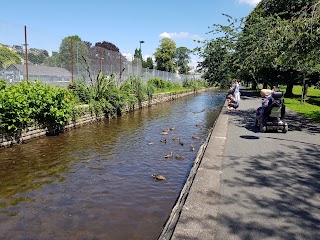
140	46
140	53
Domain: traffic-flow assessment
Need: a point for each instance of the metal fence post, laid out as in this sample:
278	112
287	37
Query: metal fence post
26	50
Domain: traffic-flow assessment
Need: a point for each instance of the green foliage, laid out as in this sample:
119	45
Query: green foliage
150	90
220	63
182	59
159	83
309	109
80	89
148	63
135	85
78	47
8	57
277	44
165	54
3	84
25	104
194	84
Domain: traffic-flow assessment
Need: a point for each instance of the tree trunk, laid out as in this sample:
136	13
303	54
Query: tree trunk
265	84
304	89
289	88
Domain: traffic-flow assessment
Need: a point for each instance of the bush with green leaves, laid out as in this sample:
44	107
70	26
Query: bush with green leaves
3	84
26	103
160	83
80	89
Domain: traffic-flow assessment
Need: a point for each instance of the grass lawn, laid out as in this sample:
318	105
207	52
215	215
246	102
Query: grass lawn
309	109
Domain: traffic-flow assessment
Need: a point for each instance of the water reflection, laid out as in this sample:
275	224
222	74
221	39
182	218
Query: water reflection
95	181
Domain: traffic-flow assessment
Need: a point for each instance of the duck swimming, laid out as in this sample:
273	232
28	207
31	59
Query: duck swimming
158	177
192	148
179	157
195	137
169	155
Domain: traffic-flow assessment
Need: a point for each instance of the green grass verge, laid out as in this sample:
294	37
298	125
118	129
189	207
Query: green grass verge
309	109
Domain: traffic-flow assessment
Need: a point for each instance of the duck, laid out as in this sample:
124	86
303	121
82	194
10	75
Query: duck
181	143
172	128
195	137
192	148
159	177
164	133
151	143
179	157
163	140
176	138
169	155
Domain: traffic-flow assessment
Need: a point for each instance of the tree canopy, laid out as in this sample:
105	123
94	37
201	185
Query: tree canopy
278	43
164	55
182	59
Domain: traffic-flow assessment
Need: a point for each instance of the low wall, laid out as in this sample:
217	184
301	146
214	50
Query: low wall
35	132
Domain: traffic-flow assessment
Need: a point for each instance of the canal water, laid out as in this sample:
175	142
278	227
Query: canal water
95	181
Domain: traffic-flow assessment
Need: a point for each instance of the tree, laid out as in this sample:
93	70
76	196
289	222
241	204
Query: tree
164	55
219	62
53	60
8	57
78	49
110	54
108	46
148	63
182	60
137	54
37	56
278	44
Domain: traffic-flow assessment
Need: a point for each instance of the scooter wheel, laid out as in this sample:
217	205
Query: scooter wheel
285	129
263	128
256	122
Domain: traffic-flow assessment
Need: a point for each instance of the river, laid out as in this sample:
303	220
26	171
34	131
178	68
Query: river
94	182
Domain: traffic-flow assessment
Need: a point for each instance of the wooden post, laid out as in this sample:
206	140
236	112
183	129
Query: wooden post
26	50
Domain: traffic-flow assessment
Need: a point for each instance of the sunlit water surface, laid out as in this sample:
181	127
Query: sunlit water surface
94	182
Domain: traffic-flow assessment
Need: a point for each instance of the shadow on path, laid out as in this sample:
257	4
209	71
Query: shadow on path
246	118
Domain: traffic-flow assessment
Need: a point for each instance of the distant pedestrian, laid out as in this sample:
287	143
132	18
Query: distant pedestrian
236	91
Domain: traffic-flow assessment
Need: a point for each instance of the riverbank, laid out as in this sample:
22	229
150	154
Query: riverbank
35	132
252	185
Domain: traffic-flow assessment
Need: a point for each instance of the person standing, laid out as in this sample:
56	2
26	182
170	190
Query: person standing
236	91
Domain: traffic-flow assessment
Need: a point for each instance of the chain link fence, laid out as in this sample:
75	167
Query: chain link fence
27	54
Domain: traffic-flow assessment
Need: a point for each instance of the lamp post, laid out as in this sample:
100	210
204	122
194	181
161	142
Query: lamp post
140	46
140	52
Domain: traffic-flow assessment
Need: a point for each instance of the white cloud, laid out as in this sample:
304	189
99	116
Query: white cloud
180	35
128	56
249	2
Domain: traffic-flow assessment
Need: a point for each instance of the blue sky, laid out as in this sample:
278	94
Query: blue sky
123	22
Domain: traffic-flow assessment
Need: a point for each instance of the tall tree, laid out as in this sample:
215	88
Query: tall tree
148	63
220	64
164	55
76	50
137	54
182	60
108	46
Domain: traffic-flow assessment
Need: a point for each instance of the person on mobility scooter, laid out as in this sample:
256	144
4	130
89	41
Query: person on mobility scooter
271	114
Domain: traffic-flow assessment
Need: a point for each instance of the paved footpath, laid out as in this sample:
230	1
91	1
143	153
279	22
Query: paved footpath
252	185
